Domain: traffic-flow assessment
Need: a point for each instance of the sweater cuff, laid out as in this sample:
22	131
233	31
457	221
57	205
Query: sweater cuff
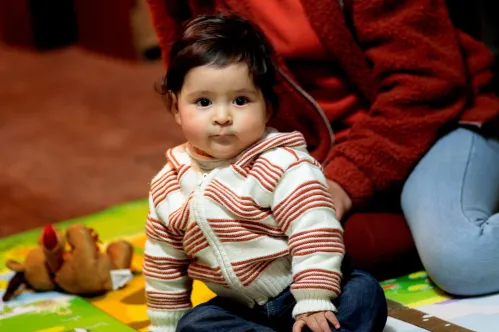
163	320
312	305
357	185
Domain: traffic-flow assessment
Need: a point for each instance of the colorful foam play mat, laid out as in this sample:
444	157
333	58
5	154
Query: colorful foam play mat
415	303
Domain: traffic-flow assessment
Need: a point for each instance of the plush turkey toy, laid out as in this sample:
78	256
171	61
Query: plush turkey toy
80	269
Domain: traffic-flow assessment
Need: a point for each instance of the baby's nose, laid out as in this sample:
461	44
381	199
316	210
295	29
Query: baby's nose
222	117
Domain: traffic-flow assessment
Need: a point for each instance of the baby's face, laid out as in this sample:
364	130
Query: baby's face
220	110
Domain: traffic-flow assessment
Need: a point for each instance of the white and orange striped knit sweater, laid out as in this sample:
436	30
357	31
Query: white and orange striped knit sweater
248	229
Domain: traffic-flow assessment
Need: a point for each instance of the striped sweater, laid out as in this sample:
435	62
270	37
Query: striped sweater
247	229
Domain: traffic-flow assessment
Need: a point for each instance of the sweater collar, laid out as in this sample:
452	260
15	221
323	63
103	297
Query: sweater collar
203	161
186	154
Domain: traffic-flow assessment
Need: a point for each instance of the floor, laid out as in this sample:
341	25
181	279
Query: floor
78	133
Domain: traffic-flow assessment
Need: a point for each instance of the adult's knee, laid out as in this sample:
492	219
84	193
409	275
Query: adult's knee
464	270
449	274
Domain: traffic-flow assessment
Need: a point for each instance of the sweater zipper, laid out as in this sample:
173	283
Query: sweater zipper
200	183
313	102
225	266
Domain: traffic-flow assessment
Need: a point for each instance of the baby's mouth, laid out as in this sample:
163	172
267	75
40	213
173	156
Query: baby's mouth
222	135
223	138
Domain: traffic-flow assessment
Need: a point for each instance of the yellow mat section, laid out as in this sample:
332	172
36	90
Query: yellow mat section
121	222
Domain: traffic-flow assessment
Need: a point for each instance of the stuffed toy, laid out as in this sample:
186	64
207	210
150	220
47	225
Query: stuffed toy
72	264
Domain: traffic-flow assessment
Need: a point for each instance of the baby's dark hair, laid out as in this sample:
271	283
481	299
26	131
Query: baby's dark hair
222	40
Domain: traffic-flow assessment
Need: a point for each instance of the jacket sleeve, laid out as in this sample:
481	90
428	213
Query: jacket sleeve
305	212
414	52
168	287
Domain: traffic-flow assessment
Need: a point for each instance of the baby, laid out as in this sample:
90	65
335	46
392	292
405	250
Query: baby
241	207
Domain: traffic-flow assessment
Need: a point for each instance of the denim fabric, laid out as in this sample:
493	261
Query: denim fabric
451	203
361	307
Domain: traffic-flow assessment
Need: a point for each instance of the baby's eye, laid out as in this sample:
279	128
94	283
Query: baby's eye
240	101
203	102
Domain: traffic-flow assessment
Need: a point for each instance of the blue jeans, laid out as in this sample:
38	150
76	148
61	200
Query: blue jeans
361	307
451	203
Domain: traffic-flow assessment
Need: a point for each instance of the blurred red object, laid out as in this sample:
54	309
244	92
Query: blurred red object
105	27
37	24
382	244
15	23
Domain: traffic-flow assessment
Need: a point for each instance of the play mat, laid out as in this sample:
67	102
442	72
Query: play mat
415	304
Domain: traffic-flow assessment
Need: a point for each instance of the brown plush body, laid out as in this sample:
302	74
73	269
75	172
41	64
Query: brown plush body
82	269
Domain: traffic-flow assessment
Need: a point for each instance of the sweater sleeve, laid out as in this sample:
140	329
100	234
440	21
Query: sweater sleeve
168	287
304	210
415	57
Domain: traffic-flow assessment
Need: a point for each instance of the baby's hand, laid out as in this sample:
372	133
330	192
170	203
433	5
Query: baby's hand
316	321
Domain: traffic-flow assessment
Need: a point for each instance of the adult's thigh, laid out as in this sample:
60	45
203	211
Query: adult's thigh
451	203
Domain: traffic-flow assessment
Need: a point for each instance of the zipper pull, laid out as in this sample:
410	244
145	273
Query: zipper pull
202	180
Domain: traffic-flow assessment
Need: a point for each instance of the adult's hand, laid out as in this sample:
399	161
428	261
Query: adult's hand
342	202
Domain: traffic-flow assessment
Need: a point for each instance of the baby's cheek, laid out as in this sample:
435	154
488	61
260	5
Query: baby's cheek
253	124
193	130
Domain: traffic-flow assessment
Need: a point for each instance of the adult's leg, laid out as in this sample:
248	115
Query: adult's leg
451	203
219	315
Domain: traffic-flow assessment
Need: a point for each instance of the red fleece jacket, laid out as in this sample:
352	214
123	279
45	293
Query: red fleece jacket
418	73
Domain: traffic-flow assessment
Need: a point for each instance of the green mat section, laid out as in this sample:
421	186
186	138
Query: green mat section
116	222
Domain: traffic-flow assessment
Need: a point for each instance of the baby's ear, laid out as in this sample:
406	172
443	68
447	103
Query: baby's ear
174	107
168	100
270	112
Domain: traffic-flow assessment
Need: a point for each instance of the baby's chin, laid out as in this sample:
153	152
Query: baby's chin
225	154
